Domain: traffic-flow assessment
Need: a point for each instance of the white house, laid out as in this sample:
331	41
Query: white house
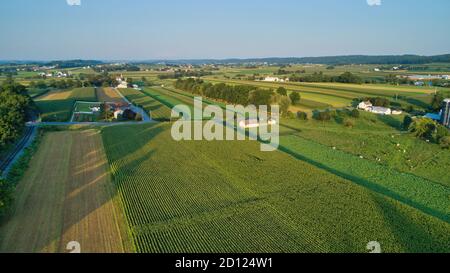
60	74
255	123
365	105
381	110
275	79
95	109
123	85
376	70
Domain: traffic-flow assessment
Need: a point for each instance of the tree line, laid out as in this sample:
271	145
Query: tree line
238	94
182	74
15	107
346	77
84	80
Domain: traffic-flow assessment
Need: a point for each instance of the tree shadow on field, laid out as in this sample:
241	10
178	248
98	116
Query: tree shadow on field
414	235
390	121
418	103
114	138
368	184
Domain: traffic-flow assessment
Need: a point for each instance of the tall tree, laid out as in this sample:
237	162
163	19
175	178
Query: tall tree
295	97
282	91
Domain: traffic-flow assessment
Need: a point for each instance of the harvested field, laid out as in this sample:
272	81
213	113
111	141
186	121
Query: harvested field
66	195
55	95
108	94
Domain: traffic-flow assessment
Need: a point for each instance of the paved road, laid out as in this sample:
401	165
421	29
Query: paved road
17	152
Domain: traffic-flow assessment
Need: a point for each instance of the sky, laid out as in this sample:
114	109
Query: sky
203	29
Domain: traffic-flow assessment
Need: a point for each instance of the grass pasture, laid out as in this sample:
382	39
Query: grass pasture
66	195
178	197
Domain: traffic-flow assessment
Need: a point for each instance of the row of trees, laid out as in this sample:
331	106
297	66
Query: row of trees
180	74
237	94
15	106
60	84
346	77
84	80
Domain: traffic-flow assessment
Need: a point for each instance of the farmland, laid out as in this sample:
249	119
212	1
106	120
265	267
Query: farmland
329	188
108	94
306	205
336	95
71	199
58	105
157	110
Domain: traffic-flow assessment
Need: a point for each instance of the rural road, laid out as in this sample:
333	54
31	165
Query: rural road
39	124
22	144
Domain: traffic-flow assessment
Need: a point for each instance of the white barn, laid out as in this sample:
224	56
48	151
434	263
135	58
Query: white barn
381	110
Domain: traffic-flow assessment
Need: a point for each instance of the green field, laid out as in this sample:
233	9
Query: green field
178	197
335	95
59	108
378	139
156	109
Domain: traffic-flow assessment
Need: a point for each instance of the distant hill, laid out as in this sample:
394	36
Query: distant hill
328	60
58	64
73	63
331	60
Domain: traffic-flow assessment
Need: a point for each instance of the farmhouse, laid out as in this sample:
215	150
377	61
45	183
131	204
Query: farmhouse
365	105
122	82
368	107
118	114
255	123
60	74
275	79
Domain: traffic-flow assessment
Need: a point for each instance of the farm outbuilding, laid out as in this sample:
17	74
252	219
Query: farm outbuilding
118	114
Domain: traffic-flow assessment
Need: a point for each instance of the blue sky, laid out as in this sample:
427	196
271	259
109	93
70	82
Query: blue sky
174	29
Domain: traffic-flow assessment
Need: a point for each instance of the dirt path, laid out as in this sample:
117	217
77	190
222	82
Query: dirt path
66	195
